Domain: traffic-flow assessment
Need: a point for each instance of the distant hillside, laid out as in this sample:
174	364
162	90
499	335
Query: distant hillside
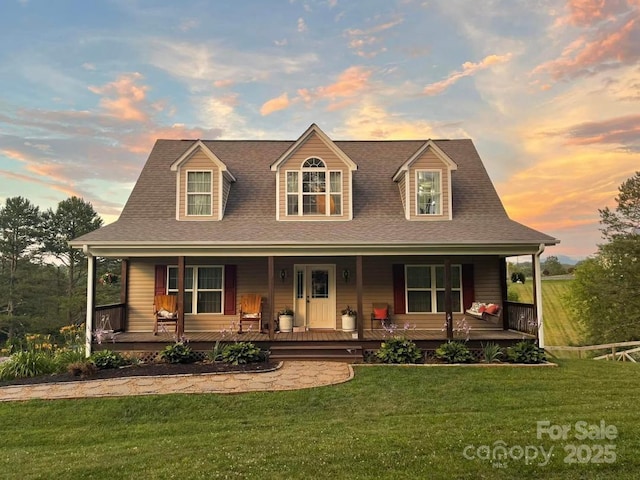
564	259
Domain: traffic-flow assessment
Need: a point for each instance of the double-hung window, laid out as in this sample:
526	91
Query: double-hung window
428	192
314	190
199	193
203	288
425	288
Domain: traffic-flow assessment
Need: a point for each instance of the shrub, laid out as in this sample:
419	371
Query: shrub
399	350
215	355
82	368
492	352
525	352
103	359
64	357
29	363
178	353
241	353
454	352
512	295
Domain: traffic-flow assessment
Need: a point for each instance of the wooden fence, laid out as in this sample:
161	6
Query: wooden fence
619	351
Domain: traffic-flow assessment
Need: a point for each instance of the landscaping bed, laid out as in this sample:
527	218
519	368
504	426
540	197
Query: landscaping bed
147	369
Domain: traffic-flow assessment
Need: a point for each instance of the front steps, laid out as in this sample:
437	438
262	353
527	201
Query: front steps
335	352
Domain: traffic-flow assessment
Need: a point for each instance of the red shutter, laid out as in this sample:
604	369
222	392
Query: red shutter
161	280
468	289
399	305
230	289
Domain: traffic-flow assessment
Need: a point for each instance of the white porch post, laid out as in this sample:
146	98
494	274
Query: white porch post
91	263
537	274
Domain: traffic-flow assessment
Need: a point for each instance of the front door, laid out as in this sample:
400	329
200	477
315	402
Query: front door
316	302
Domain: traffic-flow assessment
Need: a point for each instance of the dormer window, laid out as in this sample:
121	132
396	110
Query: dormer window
199	197
428	193
314	187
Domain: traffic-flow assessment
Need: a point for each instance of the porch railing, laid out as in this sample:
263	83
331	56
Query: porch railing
110	317
522	317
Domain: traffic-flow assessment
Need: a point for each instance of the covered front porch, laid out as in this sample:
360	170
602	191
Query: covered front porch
356	280
314	344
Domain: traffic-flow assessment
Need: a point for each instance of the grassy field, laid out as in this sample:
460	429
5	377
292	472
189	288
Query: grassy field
389	422
559	328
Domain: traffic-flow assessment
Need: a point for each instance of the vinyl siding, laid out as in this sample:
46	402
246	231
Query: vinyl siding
252	278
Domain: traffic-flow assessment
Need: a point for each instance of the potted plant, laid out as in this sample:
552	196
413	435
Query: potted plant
349	319
285	319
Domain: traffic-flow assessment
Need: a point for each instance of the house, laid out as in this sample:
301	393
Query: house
315	224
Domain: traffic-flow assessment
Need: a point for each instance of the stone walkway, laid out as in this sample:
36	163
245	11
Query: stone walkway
291	375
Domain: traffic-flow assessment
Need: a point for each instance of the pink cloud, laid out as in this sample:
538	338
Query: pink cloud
363	41
275	104
123	98
609	41
350	82
223	83
468	68
589	12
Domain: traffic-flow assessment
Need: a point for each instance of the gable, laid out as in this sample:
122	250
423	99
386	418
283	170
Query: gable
203	184
428	167
332	172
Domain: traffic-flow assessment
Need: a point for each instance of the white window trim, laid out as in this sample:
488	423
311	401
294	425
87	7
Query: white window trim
301	194
434	290
187	193
194	290
415	196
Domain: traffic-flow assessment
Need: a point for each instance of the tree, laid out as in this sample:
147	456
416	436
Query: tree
625	220
553	266
20	233
73	217
605	294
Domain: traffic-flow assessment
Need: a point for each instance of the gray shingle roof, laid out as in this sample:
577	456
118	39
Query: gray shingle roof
478	214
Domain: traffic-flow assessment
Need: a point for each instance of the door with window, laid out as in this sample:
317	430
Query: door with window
315	296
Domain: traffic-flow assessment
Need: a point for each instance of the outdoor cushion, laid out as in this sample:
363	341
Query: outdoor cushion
380	313
481	308
492	309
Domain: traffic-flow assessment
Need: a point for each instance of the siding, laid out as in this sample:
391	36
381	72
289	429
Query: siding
314	147
402	185
252	278
429	161
198	161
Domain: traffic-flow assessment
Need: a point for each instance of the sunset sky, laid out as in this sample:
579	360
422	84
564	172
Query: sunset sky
549	91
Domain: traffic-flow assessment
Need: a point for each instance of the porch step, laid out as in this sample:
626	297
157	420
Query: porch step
335	353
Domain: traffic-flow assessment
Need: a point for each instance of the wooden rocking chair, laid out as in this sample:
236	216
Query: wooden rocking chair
380	313
251	310
165	311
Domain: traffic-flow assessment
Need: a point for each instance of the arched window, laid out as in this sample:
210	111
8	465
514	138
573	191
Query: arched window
314	187
313	162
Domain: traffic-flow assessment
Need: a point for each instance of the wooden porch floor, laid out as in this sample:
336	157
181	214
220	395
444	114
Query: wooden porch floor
316	336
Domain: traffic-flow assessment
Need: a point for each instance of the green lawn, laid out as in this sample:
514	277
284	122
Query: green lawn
559	328
389	422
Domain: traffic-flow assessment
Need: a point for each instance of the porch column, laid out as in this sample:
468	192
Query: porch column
271	286
448	303
537	294
181	275
91	301
124	290
504	293
360	317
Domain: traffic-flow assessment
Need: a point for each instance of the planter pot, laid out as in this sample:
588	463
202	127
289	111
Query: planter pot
348	323
286	323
